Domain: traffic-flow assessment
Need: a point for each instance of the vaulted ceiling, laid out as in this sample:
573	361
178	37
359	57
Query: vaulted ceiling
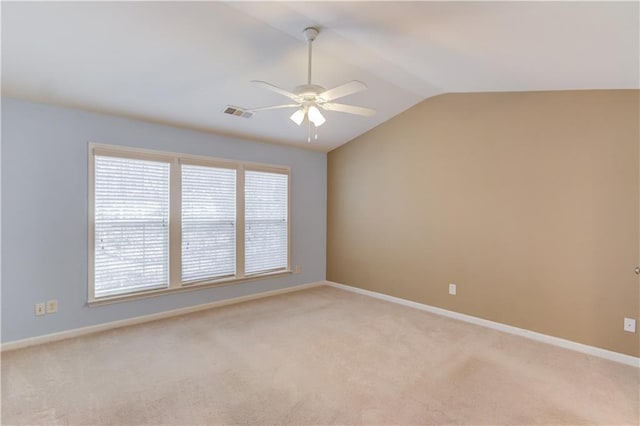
181	63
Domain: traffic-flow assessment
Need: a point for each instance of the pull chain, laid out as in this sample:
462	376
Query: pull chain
315	131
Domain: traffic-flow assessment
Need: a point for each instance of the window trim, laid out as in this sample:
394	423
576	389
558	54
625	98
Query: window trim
175	161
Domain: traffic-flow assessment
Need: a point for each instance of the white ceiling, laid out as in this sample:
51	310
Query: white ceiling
181	63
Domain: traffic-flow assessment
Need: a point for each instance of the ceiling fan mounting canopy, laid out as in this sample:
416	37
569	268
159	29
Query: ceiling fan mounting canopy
309	98
310	33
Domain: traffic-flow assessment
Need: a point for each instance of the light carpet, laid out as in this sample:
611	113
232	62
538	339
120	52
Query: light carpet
318	356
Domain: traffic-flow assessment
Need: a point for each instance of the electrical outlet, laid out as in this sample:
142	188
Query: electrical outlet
452	289
630	325
52	306
297	269
39	309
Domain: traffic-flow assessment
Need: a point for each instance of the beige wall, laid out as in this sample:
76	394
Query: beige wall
527	201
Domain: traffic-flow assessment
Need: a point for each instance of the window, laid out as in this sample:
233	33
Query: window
131	225
208	222
266	221
162	222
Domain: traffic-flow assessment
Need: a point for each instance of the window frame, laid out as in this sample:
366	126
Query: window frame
175	161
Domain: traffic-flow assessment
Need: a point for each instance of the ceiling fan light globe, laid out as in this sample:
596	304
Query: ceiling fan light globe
316	116
298	116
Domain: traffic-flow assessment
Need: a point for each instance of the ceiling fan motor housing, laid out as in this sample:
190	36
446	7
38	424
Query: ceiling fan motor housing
308	91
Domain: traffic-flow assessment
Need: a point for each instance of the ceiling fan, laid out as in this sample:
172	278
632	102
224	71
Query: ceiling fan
310	98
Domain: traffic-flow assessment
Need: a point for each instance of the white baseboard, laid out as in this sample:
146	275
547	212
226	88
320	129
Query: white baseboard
556	341
76	332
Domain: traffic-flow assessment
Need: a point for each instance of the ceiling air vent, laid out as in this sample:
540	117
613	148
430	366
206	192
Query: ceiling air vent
238	112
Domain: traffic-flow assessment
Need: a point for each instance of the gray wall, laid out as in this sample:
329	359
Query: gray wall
44	213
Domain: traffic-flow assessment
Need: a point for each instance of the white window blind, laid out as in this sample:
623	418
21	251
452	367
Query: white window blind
208	222
266	222
131	208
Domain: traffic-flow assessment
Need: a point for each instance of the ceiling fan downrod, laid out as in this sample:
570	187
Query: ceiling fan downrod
310	33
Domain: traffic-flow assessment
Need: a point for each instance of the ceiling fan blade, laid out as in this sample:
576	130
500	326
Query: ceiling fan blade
343	90
273	107
351	109
277	89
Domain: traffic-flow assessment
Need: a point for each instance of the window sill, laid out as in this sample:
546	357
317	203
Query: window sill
107	300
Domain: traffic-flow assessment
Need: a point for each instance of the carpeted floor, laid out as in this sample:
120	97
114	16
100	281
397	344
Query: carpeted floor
318	356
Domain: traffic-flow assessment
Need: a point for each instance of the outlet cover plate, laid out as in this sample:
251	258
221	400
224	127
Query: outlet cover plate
630	325
452	289
52	306
39	309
